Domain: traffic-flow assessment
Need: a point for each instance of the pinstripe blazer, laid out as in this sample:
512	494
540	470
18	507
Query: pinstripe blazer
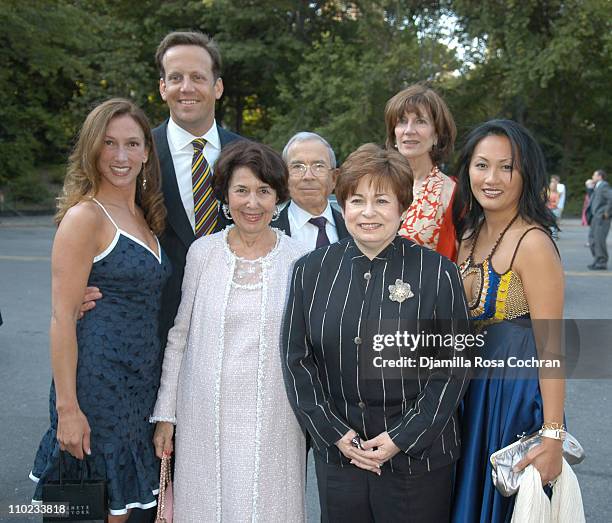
339	299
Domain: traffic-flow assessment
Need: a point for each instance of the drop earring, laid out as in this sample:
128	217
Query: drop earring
144	176
226	211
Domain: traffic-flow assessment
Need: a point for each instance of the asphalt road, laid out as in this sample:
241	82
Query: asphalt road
25	246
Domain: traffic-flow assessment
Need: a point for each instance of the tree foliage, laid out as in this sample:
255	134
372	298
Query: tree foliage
547	65
327	66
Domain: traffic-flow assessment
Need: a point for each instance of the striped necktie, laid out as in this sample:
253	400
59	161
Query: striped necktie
204	201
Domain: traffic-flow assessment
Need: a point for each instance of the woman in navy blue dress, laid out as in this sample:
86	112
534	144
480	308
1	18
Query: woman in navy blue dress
513	278
106	367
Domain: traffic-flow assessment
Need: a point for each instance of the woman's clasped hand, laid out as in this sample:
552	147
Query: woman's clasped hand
370	454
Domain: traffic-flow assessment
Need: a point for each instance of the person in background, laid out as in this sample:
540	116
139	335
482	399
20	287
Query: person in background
558	211
600	210
309	217
589	185
106	366
552	201
586	216
421	127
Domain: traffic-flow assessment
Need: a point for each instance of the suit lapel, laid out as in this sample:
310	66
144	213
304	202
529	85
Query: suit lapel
340	225
282	222
226	137
177	217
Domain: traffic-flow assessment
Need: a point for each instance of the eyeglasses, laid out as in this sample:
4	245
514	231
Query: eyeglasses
316	168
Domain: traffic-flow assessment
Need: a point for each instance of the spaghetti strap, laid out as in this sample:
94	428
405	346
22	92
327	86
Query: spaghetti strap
521	239
107	214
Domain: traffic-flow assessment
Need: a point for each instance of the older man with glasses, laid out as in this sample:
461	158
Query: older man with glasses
309	217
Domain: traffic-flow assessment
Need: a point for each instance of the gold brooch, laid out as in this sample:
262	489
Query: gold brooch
400	291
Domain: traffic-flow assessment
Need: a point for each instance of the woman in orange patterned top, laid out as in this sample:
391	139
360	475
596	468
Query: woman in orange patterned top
420	126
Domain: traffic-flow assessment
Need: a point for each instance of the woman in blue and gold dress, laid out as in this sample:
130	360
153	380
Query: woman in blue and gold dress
512	275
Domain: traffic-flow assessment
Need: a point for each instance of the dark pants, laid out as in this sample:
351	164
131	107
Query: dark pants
597	240
142	516
353	495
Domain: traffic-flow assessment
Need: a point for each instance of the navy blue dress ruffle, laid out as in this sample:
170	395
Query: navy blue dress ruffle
118	370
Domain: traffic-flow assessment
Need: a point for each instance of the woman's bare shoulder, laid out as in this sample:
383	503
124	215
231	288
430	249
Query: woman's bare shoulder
536	252
85	217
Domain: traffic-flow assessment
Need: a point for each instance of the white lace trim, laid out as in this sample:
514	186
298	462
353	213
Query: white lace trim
218	380
261	365
264	260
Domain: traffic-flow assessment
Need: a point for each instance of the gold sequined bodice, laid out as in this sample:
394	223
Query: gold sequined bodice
499	296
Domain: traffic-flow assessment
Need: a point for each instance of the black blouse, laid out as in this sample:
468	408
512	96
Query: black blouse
339	300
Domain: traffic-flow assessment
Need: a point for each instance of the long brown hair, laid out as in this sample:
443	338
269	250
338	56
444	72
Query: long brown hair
83	178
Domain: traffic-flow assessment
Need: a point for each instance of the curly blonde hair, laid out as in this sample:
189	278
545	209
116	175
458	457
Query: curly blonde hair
83	178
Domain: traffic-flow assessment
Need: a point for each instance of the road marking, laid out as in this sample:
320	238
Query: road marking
25	258
605	274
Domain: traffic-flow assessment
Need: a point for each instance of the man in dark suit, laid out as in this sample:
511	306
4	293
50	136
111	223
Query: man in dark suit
600	211
190	83
309	217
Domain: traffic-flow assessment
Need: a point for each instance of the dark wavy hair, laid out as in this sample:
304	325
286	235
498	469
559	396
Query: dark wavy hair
527	159
266	164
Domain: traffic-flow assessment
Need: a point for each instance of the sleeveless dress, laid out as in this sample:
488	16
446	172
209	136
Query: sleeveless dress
118	368
500	404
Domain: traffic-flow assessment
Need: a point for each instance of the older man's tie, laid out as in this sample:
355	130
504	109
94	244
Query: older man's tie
319	223
204	201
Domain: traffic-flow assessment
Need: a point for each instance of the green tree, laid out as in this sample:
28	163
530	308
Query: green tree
41	60
547	64
344	80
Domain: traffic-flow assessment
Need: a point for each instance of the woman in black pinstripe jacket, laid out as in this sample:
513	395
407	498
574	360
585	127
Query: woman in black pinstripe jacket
385	437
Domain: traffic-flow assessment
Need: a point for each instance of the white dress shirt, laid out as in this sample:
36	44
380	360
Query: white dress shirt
304	231
181	149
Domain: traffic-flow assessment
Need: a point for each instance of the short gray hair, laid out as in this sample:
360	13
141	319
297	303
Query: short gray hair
304	136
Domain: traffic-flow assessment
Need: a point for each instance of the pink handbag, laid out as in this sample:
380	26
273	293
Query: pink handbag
165	498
